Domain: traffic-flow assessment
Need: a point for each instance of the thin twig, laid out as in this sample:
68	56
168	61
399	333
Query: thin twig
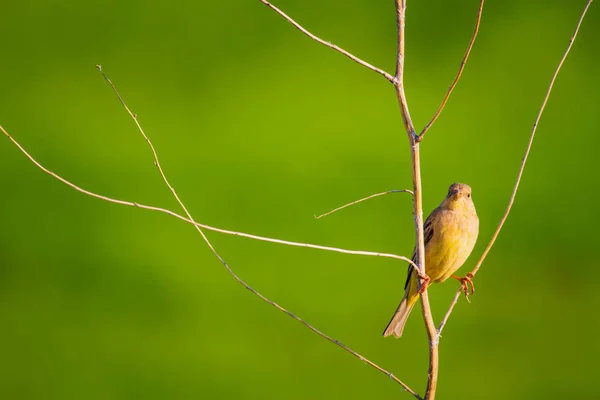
447	315
363	199
381	72
457	78
523	162
432	335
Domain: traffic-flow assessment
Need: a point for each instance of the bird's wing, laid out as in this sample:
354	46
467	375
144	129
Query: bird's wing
427	235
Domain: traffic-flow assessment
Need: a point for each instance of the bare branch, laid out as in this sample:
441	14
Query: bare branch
399	82
523	162
417	203
203	226
198	226
445	319
233	274
365	64
363	199
458	75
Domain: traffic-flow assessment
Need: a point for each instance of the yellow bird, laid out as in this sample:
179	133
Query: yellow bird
450	233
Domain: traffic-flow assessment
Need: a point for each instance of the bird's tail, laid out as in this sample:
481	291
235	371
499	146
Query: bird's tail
396	325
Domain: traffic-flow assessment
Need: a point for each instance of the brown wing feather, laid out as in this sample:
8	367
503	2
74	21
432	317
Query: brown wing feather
427	235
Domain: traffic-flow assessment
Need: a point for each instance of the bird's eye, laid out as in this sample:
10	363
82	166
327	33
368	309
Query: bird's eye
469	195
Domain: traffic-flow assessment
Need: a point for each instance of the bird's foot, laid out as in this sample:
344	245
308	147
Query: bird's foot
425	284
466	284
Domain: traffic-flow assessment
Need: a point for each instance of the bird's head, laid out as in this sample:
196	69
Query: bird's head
459	198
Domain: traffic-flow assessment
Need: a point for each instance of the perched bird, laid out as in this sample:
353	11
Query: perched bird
450	233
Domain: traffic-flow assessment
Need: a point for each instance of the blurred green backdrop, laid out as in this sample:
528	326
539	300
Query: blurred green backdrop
259	128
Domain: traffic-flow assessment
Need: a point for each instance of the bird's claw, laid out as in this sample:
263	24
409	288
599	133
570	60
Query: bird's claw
426	282
466	284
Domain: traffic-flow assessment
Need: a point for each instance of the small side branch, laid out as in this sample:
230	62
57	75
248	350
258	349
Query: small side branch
357	60
458	75
523	162
363	199
447	315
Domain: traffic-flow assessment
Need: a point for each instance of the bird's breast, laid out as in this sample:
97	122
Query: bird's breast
454	236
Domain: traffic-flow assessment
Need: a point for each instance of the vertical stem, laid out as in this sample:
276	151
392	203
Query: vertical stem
399	78
418	200
432	335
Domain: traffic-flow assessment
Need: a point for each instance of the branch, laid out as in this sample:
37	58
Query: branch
198	226
460	71
432	334
365	64
363	199
233	274
399	81
523	162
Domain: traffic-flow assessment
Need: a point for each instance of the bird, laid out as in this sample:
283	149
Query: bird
450	233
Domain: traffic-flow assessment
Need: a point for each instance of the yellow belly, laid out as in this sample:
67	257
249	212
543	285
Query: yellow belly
454	237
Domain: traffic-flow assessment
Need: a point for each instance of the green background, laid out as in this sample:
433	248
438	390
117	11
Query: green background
259	128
